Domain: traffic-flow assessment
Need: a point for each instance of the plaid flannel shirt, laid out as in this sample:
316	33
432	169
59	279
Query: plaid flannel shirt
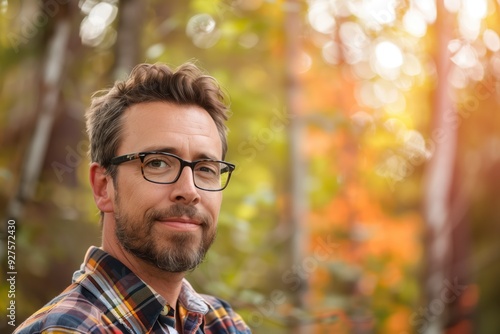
106	297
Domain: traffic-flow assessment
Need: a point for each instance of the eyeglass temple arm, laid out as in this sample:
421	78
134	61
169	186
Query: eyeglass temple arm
124	158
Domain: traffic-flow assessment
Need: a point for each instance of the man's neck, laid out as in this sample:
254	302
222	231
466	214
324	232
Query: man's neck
167	284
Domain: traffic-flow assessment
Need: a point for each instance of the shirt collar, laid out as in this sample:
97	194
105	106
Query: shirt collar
126	298
191	300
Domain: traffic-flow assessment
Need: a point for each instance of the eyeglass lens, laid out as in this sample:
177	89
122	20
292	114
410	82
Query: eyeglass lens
166	169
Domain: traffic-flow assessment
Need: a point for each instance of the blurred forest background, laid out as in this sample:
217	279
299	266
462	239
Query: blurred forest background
366	134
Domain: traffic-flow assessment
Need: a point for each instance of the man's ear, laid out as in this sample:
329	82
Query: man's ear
102	187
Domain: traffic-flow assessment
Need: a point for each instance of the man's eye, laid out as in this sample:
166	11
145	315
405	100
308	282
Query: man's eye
156	164
208	169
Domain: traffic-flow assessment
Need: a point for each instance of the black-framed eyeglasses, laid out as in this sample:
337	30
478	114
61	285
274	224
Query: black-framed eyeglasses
166	168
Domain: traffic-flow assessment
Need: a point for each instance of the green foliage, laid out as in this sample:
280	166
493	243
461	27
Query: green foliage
364	163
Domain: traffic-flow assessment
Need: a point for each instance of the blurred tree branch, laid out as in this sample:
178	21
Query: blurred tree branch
128	46
53	66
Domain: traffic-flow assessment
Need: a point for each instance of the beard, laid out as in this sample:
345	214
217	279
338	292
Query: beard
174	252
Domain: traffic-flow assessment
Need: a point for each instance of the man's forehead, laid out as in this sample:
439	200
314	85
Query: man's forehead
161	124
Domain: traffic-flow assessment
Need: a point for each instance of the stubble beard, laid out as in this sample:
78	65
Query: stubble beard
175	252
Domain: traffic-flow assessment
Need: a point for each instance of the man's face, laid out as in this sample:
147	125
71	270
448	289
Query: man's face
168	225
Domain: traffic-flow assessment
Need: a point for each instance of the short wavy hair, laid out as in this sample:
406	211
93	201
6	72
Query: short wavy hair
186	85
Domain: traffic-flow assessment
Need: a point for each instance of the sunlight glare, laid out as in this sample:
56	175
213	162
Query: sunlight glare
91	33
323	22
320	17
469	26
102	14
427	8
475	8
374	12
414	23
388	55
94	27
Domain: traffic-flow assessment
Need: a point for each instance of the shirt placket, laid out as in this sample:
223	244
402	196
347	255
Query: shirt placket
166	319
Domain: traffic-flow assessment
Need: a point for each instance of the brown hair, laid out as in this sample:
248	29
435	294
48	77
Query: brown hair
187	85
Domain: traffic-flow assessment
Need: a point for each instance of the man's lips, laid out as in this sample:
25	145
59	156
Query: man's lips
180	223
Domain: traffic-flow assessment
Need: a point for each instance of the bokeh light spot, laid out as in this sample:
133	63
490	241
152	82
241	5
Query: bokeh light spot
4	5
202	30
388	55
103	12
330	53
200	24
469	26
95	27
414	23
320	17
305	63
475	8
411	65
155	51
427	8
248	40
465	57
491	40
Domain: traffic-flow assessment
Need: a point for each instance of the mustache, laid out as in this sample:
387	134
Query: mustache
178	210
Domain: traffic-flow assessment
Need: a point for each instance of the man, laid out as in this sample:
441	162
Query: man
157	145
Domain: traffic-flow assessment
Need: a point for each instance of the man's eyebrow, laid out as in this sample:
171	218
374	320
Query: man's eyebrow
203	156
173	150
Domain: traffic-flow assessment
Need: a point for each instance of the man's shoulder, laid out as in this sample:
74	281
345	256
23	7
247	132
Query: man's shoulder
221	316
73	311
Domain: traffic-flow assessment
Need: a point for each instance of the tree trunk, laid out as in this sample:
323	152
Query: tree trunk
54	63
438	188
128	44
296	191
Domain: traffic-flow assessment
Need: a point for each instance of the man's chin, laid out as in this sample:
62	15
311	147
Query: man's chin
178	252
178	262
